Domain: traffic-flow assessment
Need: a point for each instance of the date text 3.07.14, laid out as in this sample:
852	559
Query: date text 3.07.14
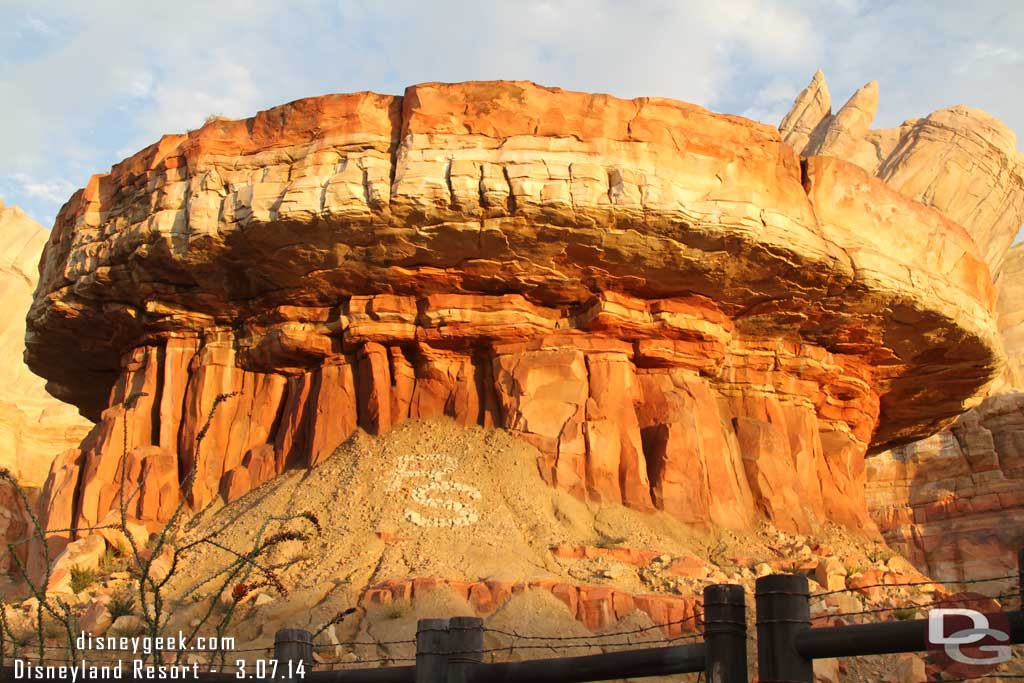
268	669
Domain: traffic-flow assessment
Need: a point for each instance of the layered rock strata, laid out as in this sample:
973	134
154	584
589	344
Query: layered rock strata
34	426
960	160
670	305
944	501
954	503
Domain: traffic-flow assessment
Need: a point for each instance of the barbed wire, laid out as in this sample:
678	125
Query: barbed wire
645	629
364	643
336	666
512	648
951	600
815	596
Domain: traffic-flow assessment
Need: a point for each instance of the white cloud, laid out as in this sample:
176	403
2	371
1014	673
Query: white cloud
55	190
772	101
68	112
39	26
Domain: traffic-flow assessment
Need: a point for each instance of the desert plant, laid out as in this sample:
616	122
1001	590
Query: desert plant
82	578
121	606
905	613
880	554
55	607
609	541
395	610
53	615
112	560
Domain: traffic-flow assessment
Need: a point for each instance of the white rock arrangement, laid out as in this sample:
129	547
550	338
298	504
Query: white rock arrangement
438	492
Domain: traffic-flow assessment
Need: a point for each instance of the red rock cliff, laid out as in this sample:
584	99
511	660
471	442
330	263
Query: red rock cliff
672	306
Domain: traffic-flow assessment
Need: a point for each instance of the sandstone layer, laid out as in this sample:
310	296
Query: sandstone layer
34	426
676	310
1010	308
945	501
960	160
954	503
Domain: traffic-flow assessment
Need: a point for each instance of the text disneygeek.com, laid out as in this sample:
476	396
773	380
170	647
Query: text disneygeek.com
128	657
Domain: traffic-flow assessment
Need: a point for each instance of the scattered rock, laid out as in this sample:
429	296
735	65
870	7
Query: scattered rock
96	620
127	625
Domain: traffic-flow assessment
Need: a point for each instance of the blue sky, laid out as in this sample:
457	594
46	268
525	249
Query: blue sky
84	84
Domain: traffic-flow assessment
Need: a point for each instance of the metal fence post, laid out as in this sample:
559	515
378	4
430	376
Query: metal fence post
431	646
466	644
725	633
291	646
783	611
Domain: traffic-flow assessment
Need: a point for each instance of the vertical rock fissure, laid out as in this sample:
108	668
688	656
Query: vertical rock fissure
158	392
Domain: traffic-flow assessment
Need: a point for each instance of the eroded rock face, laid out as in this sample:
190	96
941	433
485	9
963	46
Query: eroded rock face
960	160
1010	308
954	503
675	310
34	426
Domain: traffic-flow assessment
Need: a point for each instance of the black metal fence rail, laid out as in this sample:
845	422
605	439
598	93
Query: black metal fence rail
451	651
788	646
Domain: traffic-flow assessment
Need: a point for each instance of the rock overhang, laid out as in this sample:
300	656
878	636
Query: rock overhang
508	188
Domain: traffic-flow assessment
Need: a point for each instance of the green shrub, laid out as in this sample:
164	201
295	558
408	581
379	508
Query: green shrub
82	578
609	541
121	606
395	610
112	560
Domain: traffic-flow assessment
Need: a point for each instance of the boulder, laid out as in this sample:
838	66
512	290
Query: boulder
85	553
97	619
127	625
909	668
827	671
830	574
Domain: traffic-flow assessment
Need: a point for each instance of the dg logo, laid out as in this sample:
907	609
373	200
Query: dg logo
968	643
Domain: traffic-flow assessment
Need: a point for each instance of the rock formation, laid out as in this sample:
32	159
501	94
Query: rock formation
954	503
951	502
676	310
961	161
1010	308
34	427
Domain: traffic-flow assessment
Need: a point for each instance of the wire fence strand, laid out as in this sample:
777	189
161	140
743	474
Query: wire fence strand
993	579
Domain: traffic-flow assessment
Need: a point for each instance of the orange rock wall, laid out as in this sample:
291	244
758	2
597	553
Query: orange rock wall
678	311
651	404
954	503
597	607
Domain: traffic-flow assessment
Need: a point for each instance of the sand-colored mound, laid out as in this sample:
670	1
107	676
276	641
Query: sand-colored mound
434	519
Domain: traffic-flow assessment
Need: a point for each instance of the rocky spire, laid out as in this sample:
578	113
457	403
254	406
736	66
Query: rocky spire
811	112
850	124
